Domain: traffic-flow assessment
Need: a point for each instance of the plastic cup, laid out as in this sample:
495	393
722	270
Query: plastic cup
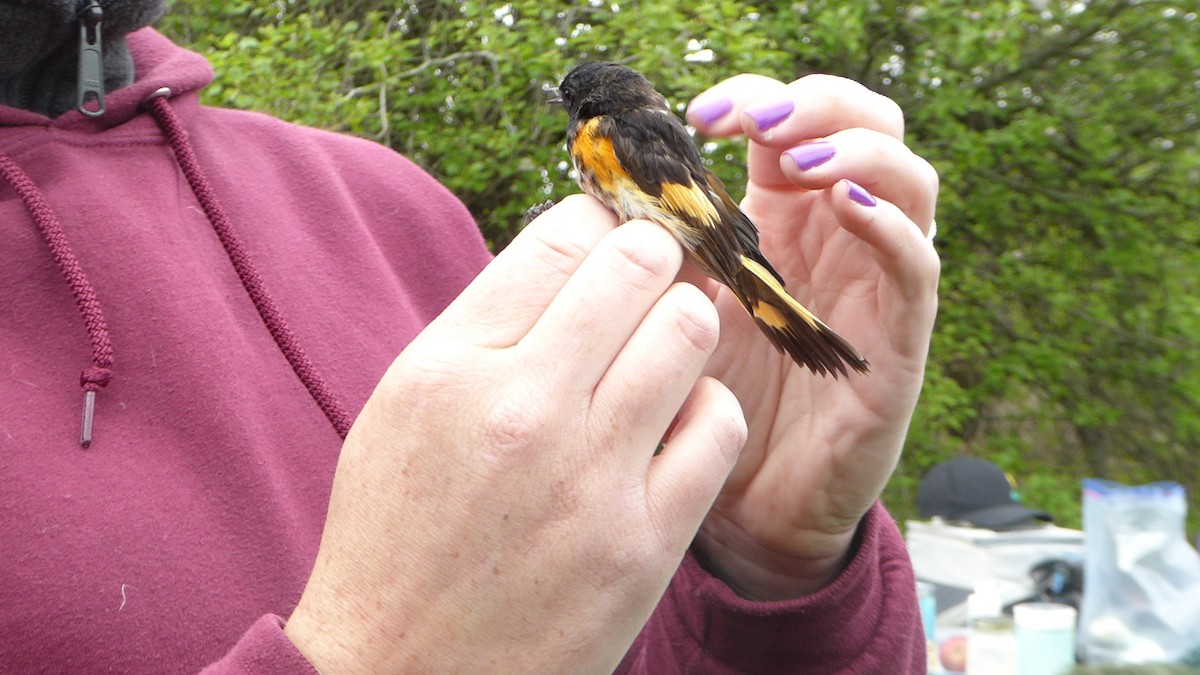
1045	638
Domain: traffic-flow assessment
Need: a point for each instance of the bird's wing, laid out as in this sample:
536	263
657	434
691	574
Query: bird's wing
656	151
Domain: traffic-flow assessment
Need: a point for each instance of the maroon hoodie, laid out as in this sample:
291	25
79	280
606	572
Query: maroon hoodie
227	285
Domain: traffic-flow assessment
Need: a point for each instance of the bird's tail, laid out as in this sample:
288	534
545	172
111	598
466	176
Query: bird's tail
791	327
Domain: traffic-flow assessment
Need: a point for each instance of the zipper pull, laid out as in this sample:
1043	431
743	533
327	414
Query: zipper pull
91	60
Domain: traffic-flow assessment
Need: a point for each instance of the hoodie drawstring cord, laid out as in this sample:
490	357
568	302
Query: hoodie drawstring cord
96	376
176	136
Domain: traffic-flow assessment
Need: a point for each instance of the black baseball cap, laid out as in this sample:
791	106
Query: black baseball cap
975	491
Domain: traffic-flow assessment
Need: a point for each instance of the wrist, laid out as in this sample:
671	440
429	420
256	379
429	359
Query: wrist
338	637
766	573
321	644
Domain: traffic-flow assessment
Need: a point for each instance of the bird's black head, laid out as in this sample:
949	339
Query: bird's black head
594	89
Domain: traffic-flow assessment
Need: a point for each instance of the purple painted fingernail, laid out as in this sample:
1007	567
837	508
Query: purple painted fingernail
859	195
767	115
812	154
709	111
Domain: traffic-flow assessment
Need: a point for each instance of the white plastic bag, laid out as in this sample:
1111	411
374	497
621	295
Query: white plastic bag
1141	600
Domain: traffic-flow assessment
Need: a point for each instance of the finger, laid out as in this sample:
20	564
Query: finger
772	113
882	164
718	110
508	297
588	323
686	477
904	252
651	376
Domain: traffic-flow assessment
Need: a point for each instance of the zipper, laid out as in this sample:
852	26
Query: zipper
25	93
90	101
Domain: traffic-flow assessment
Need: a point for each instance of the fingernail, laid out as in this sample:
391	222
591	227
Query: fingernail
812	154
859	195
709	111
767	115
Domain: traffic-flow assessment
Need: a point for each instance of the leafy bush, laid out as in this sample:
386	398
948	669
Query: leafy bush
1066	135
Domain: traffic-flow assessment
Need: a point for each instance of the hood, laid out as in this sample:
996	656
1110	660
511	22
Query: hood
40	48
158	63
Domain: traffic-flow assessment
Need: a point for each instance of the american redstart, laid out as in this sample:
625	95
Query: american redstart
637	158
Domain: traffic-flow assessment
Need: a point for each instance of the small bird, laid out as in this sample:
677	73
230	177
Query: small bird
637	158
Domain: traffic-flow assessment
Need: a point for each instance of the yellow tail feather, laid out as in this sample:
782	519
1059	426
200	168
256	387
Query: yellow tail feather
791	327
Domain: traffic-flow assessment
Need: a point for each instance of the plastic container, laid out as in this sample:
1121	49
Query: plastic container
1045	638
992	646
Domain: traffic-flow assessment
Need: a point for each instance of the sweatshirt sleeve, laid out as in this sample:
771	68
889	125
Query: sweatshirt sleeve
867	620
263	650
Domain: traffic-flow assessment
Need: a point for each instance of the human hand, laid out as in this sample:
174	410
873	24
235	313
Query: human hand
819	450
498	506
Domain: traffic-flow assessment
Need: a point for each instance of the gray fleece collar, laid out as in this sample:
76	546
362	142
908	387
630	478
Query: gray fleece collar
39	49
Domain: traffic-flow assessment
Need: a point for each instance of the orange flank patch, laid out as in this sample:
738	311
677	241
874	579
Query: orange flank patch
689	202
596	153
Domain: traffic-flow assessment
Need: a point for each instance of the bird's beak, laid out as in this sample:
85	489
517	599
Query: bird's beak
553	95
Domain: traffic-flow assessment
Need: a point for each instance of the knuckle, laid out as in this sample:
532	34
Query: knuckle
558	249
723	420
893	114
645	252
751	80
730	430
427	378
748	87
696	318
842	93
822	80
933	272
512	424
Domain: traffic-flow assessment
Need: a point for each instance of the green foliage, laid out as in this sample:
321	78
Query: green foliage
1066	135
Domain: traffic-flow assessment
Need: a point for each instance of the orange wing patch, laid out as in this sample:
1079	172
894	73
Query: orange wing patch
771	316
689	202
